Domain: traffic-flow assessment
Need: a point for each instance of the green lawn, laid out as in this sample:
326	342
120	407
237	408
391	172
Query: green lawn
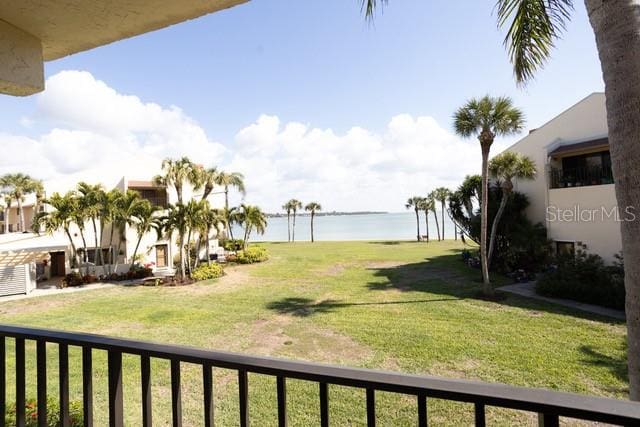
389	305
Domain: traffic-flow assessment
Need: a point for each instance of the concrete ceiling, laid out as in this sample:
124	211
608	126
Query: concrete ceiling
64	27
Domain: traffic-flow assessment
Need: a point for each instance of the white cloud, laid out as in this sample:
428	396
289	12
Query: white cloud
98	135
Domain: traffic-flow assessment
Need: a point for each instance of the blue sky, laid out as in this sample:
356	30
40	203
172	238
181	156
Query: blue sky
320	65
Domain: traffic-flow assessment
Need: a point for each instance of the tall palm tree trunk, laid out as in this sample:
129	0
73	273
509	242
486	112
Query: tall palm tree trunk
189	251
181	254
95	241
288	227
293	229
417	225
135	251
486	285
20	215
426	224
312	215
435	215
208	247
442	207
617	28
494	226
74	251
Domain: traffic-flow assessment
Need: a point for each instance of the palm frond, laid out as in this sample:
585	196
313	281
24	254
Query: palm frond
534	28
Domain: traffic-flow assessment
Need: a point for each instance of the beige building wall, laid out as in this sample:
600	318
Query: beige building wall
586	120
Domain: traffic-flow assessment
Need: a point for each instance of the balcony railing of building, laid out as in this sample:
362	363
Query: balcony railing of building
580	177
549	405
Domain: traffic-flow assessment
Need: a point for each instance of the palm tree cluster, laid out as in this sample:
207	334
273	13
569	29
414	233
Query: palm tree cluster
108	213
291	208
429	204
15	187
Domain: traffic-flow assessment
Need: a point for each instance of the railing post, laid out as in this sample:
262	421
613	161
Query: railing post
20	383
243	389
207	383
115	388
3	379
548	420
63	366
176	394
87	386
324	405
145	374
480	415
41	377
371	407
422	410
282	401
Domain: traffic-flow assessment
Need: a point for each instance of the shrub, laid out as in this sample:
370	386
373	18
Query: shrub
252	255
73	279
53	413
233	244
585	277
207	271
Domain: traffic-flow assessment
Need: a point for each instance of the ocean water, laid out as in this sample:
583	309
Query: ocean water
389	226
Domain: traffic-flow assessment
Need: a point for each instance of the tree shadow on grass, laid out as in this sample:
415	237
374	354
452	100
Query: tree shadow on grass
304	307
616	365
448	275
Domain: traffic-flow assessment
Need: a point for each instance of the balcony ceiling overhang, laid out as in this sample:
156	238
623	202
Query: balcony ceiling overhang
33	31
585	147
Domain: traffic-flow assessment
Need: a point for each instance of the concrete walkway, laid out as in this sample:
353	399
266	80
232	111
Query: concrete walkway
42	292
529	290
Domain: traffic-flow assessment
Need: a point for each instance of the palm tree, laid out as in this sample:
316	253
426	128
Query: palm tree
194	211
232	216
441	195
287	207
426	204
144	220
431	201
127	206
19	185
208	179
230	179
533	29
176	173
415	203
61	217
176	221
8	200
487	118
211	219
91	202
295	205
313	207
505	167
110	202
252	218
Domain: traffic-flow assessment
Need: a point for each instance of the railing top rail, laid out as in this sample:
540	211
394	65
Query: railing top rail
493	394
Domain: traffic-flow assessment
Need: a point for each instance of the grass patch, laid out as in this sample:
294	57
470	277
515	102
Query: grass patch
408	307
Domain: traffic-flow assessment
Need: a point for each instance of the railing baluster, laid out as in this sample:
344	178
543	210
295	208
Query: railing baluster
207	383
282	401
115	389
324	405
371	407
145	374
176	395
63	367
422	410
87	386
548	420
479	415
3	379
20	383
41	377
243	389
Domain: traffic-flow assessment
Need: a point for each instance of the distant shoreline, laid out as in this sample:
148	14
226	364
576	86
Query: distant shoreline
284	215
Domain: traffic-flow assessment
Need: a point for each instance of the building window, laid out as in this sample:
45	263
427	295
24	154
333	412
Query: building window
582	170
162	252
155	196
565	248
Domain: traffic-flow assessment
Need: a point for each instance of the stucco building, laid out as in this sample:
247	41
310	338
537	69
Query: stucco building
573	193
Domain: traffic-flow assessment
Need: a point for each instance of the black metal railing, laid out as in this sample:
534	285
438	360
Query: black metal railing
580	177
549	405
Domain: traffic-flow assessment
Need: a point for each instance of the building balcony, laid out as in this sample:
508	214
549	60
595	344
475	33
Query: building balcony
580	177
548	405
